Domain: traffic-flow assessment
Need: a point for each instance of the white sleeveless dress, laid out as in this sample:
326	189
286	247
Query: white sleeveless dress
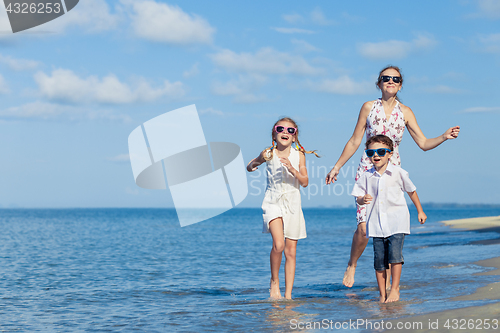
282	198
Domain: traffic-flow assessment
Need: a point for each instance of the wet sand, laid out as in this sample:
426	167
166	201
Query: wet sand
469	318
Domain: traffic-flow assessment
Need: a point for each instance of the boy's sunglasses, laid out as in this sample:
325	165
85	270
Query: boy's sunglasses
395	79
380	152
290	130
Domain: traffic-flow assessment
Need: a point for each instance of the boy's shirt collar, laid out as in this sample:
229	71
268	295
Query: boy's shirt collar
388	170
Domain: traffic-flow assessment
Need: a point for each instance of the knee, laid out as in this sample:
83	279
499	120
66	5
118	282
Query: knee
290	253
278	246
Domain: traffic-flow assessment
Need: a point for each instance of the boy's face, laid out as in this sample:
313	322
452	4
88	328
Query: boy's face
379	161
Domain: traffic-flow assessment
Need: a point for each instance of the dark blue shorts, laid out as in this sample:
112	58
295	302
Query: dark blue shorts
388	250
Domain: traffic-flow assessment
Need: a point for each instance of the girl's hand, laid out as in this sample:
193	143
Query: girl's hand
365	199
331	177
422	217
286	163
252	165
250	169
451	133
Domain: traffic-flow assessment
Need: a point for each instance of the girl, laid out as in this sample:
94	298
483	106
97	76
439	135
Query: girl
282	211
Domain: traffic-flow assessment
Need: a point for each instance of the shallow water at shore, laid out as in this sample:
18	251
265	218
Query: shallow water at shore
86	270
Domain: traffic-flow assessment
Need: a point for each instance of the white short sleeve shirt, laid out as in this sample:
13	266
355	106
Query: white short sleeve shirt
387	214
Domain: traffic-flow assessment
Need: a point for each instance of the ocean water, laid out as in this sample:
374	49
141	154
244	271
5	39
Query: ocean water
137	270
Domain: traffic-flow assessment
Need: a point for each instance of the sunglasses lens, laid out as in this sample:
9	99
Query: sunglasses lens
280	129
291	130
370	152
381	152
395	79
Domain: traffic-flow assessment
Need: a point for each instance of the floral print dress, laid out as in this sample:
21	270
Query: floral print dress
377	123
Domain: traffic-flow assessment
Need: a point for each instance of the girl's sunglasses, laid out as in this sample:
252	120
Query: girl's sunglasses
281	129
395	79
380	152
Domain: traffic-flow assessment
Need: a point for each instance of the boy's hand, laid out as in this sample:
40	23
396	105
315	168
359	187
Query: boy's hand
365	199
422	217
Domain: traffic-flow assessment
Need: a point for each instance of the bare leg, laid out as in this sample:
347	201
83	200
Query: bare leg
290	252
359	242
276	228
388	280
396	276
381	278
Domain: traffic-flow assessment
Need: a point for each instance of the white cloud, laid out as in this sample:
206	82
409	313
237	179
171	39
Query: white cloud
396	49
243	89
343	85
90	15
212	111
19	64
293	31
442	89
303	46
64	85
168	23
293	18
489	8
4	88
265	61
319	18
193	71
491	43
479	109
50	111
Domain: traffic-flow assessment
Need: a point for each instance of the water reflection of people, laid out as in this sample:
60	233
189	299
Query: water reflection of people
281	315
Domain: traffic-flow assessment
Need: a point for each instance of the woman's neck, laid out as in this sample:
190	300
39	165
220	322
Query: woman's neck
389	99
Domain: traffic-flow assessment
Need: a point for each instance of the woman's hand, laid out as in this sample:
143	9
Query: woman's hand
331	177
451	133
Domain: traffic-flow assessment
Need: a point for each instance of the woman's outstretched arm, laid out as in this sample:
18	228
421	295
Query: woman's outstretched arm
419	137
353	144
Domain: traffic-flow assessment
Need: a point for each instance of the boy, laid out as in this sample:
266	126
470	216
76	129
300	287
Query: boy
388	220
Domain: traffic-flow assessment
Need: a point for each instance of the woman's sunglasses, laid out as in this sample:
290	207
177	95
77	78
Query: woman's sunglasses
380	152
395	79
290	130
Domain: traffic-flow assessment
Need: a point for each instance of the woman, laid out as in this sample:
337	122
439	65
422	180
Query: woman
383	116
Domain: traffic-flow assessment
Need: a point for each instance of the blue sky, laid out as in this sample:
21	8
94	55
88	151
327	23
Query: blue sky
73	89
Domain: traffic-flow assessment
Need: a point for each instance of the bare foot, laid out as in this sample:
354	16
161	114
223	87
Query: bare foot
382	299
274	289
288	296
348	280
393	296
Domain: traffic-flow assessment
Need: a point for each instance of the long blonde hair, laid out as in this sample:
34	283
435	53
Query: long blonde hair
267	153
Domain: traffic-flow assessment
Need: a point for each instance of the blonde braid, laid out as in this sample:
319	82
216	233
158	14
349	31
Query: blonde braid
267	153
301	149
